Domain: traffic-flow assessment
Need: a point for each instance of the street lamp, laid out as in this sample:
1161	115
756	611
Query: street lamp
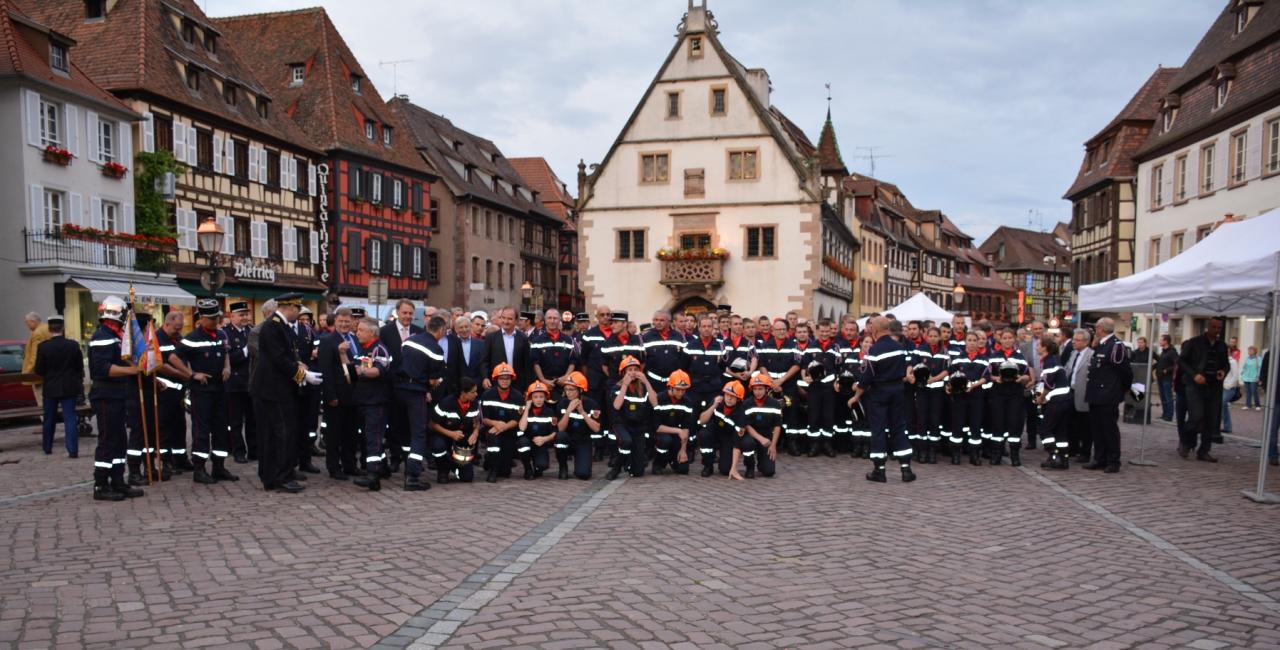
958	292
526	290
1053	300
209	236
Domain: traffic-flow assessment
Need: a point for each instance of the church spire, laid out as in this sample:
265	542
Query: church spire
829	160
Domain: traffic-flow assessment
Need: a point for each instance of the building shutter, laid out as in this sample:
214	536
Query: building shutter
148	132
263	165
125	146
217	154
293	173
33	117
184	232
352	185
37	208
192	146
417	199
253	163
1253	152
354	252
258	239
230	164
284	171
77	209
387	249
289	243
94	135
229	237
315	246
1166	182
179	141
71	126
95	221
311	179
126	255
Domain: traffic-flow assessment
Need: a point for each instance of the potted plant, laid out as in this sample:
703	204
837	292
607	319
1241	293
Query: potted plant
57	155
114	169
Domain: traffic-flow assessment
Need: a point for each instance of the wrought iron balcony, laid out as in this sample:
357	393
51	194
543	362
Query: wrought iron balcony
676	272
125	253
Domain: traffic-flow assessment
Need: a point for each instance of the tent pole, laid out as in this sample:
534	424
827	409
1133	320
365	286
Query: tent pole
1146	400
1259	493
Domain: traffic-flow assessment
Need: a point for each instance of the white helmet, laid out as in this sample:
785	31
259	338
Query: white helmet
111	307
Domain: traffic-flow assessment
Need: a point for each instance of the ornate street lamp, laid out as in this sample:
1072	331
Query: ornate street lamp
526	290
209	236
958	297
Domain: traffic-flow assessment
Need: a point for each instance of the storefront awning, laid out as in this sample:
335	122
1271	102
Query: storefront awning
250	291
144	292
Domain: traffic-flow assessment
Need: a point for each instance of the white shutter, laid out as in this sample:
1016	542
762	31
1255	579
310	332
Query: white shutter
284	171
77	209
1253	152
230	165
179	141
33	117
293	173
377	188
1221	168
127	218
186	220
37	208
125	256
70	123
264	162
217	154
125	145
253	163
311	180
315	246
193	148
93	137
1166	183
258	239
289	243
95	221
148	132
229	237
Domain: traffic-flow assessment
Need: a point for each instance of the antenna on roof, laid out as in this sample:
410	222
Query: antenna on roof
395	68
1032	215
870	156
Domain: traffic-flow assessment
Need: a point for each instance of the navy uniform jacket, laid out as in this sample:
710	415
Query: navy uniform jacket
493	406
996	358
542	421
635	411
728	424
421	361
936	360
830	357
104	352
955	347
662	356
764	416
615	350
1110	374
886	363
1054	381
675	413
238	349
776	358
204	352
168	345
457	417
335	383
592	354
552	356
577	425
974	369
390	337
369	391
276	375
705	364
742	348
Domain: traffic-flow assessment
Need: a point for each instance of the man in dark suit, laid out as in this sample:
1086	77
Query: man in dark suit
393	335
1110	376
341	415
274	386
507	345
1204	363
464	355
60	365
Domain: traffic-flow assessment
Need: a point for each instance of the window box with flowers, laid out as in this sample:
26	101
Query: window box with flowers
128	240
57	155
667	254
840	269
113	169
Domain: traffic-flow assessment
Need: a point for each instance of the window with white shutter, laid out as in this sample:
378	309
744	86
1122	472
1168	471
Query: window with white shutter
76	215
315	246
230	164
73	129
186	233
95	137
253	163
263	167
191	146
35	216
293	173
311	181
35	118
148	132
228	224
217	154
258	239
179	141
290	251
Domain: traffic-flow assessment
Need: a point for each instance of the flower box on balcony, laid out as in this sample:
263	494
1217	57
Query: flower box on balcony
692	271
693	254
114	169
127	240
57	155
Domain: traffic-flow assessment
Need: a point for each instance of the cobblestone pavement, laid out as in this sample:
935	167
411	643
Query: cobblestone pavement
1165	556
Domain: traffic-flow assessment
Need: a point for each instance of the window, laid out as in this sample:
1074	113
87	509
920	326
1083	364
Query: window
188	31
673	105
303	180
1166	119
695	46
1157	185
433	213
273	169
743	165
1221	90
1203	231
53	201
695	185
488	274
500	274
630	244
242	237
386	135
475	221
58	57
50	123
355	85
163	128
1242	19
263	104
1206	167
488	224
695	240
375	256
211	42
241	150
376	185
760	241
275	241
95	9
511	275
397	258
229	93
475	270
297	74
1176	243
303	236
718	106
511	231
1180	178
433	267
193	78
106	140
1239	142
1271	153
654	168
204	150
397	194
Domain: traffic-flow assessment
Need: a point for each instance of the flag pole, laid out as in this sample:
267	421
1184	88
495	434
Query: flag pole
142	402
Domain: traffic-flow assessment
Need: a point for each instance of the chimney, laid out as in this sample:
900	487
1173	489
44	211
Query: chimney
758	80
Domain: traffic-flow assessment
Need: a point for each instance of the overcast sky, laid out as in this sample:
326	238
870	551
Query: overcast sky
976	108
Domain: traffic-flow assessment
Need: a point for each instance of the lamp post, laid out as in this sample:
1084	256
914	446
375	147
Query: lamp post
958	297
1053	300
209	236
526	290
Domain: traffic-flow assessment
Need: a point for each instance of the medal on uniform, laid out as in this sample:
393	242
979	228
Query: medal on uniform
633	407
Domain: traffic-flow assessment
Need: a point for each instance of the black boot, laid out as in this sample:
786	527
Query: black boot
955	454
828	447
751	471
931	453
371	481
1063	462
563	472
877	475
492	476
120	485
182	463
707	470
814	447
442	474
220	473
790	446
614	472
166	472
528	469
907	475
1015	455
103	492
415	484
136	478
202	477
975	455
996	453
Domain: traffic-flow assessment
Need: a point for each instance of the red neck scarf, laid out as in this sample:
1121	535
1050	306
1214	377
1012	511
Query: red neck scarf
502	394
623	337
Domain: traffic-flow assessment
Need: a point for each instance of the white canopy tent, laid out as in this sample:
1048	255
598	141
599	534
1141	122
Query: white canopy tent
1235	271
917	307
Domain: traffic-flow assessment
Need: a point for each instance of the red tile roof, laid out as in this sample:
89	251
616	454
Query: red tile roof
1125	135
324	105
829	159
25	43
1025	250
134	50
539	177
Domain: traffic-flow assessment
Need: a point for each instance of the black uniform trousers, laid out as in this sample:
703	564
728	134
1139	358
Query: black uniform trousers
702	397
887	419
578	446
499	450
412	406
1032	417
1204	416
340	427
633	443
1055	428
440	447
717	448
598	390
1105	421
173	425
754	455
140	414
1007	414
527	450
276	441
929	414
109	457
308	422
373	421
241	427
1081	427
822	415
208	426
966	417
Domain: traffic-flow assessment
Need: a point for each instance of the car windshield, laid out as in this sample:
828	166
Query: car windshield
11	358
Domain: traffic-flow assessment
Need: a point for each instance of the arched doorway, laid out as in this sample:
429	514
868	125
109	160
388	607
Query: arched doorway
693	305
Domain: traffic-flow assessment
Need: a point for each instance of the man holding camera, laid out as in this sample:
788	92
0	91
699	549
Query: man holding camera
1202	366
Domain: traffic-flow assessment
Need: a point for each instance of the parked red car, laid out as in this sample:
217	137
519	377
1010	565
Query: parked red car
14	395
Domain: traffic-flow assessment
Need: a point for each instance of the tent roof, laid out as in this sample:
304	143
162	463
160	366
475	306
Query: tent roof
917	307
1230	272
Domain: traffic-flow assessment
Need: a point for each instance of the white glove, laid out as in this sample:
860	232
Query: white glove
312	378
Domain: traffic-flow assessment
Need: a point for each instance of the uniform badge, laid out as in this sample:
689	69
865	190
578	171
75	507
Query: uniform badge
633	407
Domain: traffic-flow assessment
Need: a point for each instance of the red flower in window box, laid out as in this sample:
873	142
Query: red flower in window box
114	169
57	155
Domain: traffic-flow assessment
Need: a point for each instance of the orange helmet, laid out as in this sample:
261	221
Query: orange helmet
503	369
578	379
761	378
735	388
679	379
627	362
537	387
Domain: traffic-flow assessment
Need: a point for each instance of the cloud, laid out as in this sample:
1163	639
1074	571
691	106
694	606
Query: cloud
979	108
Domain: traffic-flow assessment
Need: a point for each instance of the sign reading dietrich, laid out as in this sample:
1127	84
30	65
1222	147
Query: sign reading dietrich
253	271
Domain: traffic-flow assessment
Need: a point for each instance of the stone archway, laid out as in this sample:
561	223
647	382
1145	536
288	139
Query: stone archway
693	305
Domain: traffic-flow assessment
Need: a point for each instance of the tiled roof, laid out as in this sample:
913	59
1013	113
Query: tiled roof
23	58
1025	250
829	159
325	105
1142	111
553	192
135	48
451	150
975	278
1194	84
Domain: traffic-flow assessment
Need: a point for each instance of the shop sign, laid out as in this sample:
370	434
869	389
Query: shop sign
253	271
322	172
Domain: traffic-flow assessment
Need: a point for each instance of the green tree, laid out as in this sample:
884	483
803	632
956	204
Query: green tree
151	211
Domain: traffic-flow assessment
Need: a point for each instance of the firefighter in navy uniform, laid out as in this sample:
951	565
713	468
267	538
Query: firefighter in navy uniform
456	423
967	374
761	429
417	387
930	370
633	402
240	423
537	430
553	354
1110	377
663	349
706	370
741	349
721	423
500	409
141	412
112	379
595	368
1010	377
847	341
1053	394
882	379
308	395
619	345
578	420
674	417
173	416
367	368
776	354
820	364
204	350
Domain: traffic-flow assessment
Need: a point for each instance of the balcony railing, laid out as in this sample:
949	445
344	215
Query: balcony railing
683	272
58	247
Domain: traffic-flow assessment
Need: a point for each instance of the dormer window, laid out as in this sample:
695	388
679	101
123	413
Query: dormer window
95	9
1169	112
355	87
188	31
1245	11
263	103
297	74
58	57
368	129
211	42
193	78
229	93
695	47
1222	77
386	135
